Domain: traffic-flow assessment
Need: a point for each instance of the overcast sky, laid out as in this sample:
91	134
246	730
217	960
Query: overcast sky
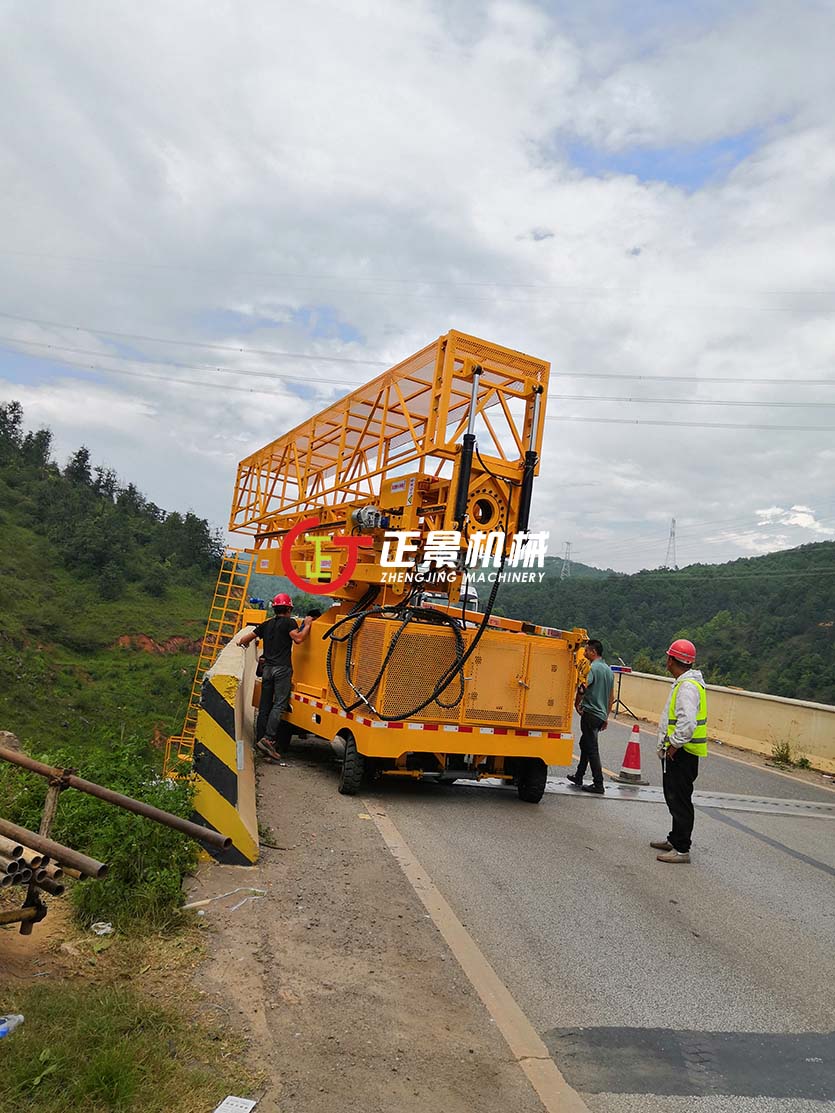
642	194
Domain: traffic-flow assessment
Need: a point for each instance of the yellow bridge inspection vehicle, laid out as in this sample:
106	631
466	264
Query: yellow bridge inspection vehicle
418	483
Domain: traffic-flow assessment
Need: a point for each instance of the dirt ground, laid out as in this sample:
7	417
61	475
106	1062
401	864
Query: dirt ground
348	993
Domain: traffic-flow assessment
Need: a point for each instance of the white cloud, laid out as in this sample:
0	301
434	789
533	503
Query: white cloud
210	174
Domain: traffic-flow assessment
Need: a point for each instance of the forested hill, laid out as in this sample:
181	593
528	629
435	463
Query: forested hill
764	623
90	571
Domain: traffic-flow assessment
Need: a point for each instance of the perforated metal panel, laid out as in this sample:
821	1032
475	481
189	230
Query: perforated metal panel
368	653
494	695
421	657
548	700
367	657
507	360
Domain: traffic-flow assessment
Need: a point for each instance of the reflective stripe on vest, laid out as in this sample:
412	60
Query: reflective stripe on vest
698	743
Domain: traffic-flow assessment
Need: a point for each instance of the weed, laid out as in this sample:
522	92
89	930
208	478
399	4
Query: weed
143	889
107	1049
803	762
781	752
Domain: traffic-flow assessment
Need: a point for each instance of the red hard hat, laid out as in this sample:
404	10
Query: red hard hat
282	600
682	650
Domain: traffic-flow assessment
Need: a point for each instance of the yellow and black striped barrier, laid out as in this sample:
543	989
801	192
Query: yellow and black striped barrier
223	762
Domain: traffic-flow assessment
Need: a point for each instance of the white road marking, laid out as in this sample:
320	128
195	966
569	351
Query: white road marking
527	1048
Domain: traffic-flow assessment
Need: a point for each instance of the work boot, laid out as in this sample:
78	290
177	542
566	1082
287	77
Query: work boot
674	856
597	790
266	746
575	779
662	844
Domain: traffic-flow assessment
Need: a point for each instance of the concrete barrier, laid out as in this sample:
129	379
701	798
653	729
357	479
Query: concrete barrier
750	720
223	760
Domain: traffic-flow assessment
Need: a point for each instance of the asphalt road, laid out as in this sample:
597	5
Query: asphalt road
657	988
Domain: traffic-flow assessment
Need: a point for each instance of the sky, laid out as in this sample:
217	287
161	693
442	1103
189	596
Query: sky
643	197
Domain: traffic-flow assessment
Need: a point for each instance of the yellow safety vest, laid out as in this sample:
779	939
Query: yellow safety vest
698	743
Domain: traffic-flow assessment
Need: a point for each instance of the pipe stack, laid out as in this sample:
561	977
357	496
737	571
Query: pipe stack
19	865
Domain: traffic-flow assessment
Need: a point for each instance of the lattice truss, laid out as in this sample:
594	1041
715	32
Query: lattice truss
409	420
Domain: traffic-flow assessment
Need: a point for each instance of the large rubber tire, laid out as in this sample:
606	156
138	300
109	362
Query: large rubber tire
531	779
353	769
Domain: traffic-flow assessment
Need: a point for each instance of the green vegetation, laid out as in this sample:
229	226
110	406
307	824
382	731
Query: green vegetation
89	568
103	599
781	752
765	623
142	891
784	753
107	1049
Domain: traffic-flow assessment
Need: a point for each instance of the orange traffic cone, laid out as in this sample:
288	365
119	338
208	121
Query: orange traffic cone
630	771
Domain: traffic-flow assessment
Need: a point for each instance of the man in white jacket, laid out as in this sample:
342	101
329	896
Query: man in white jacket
682	741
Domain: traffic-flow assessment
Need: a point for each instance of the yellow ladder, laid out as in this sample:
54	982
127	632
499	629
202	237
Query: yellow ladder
225	617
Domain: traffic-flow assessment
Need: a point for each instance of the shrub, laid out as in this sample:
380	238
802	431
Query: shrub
146	860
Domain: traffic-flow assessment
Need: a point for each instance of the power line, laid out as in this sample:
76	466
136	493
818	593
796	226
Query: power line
192	343
690	378
169	379
677	577
639	376
682	401
592	290
649	542
11	340
646	543
692	424
548	417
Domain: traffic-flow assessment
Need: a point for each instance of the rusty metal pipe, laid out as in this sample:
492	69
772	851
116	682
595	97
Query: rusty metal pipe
10	865
55	872
9	848
18	915
22	876
54	888
185	826
63	854
31	858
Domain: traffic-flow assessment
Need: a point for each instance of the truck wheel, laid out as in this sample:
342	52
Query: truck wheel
353	769
531	779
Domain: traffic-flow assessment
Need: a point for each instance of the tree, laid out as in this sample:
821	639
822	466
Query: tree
111	582
37	448
11	434
106	483
78	468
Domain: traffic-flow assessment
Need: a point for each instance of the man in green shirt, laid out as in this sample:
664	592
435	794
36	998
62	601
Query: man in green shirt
594	704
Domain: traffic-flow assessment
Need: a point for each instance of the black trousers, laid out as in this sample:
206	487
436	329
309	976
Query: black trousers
680	774
276	684
589	748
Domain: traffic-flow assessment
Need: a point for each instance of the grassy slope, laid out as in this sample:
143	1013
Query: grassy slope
63	677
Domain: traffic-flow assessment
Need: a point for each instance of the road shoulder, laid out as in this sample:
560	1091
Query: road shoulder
345	987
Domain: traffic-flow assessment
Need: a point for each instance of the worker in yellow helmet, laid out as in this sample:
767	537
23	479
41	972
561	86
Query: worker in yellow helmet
682	741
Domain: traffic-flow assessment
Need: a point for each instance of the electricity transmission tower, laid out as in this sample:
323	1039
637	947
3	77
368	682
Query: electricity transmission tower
671	563
565	571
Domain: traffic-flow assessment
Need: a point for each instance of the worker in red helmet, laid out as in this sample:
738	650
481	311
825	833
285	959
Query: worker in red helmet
278	635
682	741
